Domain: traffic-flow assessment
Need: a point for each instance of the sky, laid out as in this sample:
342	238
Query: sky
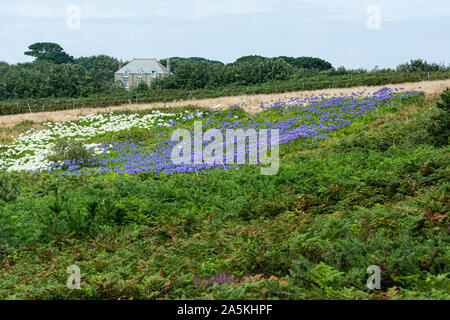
352	33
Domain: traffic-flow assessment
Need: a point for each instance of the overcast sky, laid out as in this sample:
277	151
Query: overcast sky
352	33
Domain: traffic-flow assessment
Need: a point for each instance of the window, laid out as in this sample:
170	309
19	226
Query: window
153	73
126	74
139	74
125	83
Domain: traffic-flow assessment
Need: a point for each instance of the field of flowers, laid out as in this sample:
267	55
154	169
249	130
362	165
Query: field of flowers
363	180
311	117
30	150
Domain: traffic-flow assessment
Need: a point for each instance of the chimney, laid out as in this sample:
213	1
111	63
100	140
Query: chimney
168	65
120	64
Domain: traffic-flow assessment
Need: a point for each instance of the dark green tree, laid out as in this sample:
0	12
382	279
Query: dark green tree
308	63
250	59
420	65
141	88
438	128
49	51
254	69
97	63
176	62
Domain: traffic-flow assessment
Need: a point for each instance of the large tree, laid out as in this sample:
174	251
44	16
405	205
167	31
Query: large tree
308	63
176	62
49	51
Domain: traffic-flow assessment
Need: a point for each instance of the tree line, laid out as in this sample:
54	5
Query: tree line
198	73
56	74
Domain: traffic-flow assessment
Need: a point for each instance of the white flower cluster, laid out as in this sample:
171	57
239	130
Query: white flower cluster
29	151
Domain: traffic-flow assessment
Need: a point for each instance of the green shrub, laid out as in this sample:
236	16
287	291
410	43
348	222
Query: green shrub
70	150
439	127
8	187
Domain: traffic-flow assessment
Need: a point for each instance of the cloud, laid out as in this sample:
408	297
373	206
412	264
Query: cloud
58	9
391	10
189	9
34	10
351	10
196	9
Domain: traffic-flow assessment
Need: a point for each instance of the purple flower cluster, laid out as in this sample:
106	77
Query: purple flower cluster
312	117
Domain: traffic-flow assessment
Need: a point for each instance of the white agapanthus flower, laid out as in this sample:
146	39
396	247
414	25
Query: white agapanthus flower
29	151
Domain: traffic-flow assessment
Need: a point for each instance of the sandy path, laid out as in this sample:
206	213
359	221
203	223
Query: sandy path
253	102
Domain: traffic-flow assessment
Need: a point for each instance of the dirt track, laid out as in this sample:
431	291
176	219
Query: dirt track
253	101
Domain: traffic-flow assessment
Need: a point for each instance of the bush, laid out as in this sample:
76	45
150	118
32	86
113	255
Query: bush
70	150
439	127
8	187
420	65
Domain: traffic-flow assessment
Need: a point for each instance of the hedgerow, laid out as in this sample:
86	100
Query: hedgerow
122	97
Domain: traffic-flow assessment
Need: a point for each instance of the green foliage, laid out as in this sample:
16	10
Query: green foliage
175	62
101	63
49	52
262	71
420	65
8	187
47	85
142	87
51	75
374	194
440	123
197	73
115	94
134	135
70	150
308	63
444	102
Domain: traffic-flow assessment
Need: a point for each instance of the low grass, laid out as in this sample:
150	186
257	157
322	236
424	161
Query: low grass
8	134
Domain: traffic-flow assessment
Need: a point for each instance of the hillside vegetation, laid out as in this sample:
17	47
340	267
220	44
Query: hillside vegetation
57	81
366	184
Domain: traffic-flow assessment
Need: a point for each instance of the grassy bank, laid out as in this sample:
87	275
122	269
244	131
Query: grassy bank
374	193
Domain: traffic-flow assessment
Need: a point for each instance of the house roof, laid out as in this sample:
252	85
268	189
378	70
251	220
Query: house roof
144	65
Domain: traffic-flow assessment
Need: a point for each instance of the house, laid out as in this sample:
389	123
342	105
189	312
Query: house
139	70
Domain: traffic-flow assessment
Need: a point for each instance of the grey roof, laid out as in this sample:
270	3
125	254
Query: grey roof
144	65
